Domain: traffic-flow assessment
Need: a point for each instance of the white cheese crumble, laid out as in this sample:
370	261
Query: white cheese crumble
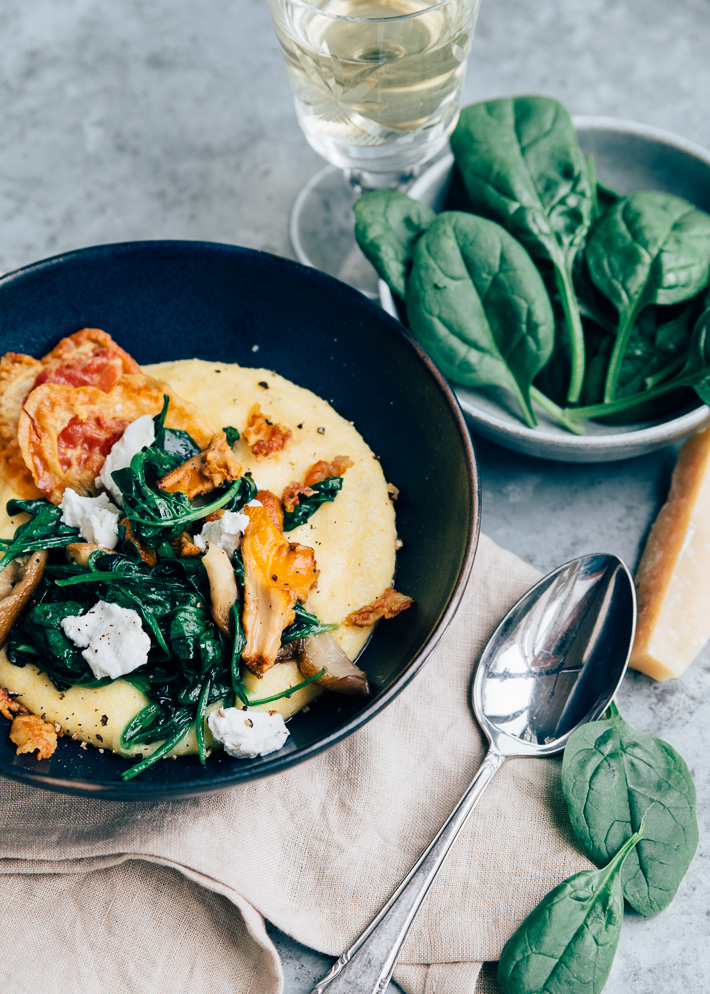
247	734
112	637
95	517
137	436
226	531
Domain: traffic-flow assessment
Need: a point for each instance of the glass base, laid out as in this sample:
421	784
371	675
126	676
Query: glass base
323	231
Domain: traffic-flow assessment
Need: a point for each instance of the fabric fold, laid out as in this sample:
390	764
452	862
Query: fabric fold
315	850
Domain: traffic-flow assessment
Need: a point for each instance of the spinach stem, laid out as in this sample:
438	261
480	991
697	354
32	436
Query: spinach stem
617	354
138	723
523	403
663	374
568	298
624	403
161	751
284	693
556	412
200	718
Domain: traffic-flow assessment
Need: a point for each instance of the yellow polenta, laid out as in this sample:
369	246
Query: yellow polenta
353	538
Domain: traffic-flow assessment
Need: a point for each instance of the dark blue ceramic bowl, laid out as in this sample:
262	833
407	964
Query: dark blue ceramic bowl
174	300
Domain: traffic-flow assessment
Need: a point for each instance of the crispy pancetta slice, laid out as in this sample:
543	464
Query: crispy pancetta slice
17	375
388	605
264	437
88	358
277	573
65	433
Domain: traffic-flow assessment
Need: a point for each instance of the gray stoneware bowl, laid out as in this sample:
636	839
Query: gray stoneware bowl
628	157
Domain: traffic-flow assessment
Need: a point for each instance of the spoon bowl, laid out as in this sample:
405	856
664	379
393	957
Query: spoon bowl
557	658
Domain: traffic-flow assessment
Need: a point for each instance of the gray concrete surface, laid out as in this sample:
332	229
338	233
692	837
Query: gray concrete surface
161	120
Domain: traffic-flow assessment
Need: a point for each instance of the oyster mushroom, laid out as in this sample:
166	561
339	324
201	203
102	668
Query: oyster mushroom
223	584
79	552
17	584
341	674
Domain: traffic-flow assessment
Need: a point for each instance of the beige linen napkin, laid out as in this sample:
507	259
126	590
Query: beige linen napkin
169	896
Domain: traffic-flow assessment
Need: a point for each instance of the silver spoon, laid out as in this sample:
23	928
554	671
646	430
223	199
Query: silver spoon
554	663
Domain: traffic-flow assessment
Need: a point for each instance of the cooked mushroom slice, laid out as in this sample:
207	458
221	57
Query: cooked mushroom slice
17	584
341	674
213	467
223	584
79	552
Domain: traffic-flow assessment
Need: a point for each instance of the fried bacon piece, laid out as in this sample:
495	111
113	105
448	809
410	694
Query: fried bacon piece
209	469
276	575
9	707
318	472
263	436
388	605
29	732
88	358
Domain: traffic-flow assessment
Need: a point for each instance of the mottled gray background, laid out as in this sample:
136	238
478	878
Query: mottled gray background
174	120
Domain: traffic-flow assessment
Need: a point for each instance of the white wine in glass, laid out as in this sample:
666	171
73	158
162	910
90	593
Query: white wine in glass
376	86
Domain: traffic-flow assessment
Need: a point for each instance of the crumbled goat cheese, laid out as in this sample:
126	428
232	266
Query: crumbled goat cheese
226	531
95	517
114	640
137	436
246	734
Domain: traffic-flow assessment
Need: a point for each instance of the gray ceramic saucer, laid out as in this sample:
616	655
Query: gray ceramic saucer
628	157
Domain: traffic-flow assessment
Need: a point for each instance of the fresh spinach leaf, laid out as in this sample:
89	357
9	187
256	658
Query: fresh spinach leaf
649	248
568	942
387	225
614	778
477	303
522	166
325	491
232	434
44	530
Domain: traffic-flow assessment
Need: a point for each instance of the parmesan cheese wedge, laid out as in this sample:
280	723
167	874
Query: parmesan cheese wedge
673	578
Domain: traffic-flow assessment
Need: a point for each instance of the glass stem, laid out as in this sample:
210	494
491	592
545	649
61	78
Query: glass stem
360	181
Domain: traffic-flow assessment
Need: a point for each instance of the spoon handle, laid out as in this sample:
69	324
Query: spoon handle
367	966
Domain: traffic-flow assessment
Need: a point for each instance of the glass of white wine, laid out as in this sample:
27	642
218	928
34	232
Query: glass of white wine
377	86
